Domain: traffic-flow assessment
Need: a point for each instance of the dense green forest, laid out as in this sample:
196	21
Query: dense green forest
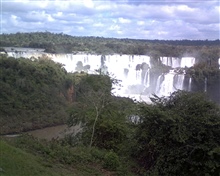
33	94
62	43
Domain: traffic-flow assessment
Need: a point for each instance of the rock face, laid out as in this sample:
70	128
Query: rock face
137	73
70	94
219	62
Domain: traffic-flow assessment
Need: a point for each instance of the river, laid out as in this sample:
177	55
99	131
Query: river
49	133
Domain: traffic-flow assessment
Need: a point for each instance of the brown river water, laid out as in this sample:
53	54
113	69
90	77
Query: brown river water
49	133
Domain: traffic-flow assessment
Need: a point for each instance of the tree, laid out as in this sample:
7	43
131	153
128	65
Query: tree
33	94
93	92
101	115
179	134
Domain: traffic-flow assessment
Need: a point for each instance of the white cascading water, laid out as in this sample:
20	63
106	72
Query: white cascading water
121	67
178	62
147	77
158	85
173	62
173	81
205	87
190	84
187	62
166	86
219	62
178	81
70	61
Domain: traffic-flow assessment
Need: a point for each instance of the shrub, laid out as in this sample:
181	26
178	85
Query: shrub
179	134
111	161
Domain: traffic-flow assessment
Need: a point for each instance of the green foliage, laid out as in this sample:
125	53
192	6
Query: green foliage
14	161
109	133
102	116
111	130
55	150
57	154
111	161
26	155
80	160
95	83
202	70
62	43
33	91
179	134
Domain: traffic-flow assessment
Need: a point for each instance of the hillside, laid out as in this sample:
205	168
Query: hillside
19	161
33	94
14	161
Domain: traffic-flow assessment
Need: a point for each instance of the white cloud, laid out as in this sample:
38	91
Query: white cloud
88	3
187	19
98	24
81	28
114	28
123	20
185	8
140	23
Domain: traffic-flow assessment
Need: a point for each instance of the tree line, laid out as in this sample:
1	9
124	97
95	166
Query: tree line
63	43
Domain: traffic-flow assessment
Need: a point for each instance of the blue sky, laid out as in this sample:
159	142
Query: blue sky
143	19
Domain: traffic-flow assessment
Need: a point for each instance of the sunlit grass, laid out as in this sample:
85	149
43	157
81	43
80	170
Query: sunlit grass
16	162
19	162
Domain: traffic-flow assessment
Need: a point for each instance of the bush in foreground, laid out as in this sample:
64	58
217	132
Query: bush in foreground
179	135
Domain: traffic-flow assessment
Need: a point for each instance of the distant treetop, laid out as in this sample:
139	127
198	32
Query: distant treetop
63	43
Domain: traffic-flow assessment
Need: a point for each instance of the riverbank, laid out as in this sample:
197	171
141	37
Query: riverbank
55	132
49	133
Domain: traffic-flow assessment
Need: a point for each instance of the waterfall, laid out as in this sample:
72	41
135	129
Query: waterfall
165	61
205	87
158	84
173	62
166	87
147	79
178	81
190	84
187	62
70	61
178	62
23	54
219	62
134	71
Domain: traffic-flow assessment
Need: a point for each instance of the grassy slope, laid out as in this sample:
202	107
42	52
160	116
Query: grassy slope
14	161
